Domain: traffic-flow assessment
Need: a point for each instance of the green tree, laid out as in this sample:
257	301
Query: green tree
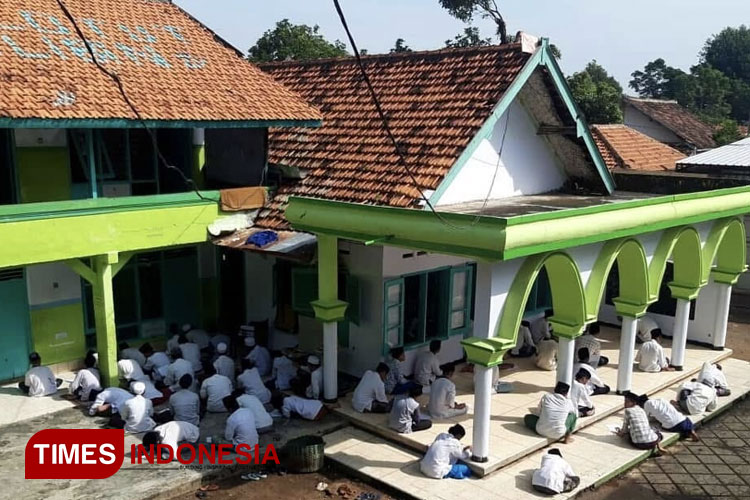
705	92
727	132
400	46
656	80
597	93
467	10
294	41
729	52
469	38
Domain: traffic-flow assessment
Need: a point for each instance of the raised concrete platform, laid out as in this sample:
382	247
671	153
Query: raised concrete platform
18	407
510	440
596	455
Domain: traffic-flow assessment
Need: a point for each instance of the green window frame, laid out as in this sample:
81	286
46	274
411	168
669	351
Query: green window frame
393	313
461	300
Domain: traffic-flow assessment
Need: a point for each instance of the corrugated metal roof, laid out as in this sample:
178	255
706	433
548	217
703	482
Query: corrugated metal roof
736	154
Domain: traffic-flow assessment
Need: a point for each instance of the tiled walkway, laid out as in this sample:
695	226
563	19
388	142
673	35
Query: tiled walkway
596	454
509	438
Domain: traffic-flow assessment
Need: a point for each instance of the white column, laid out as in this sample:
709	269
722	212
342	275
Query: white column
482	405
330	362
724	296
627	348
565	360
679	333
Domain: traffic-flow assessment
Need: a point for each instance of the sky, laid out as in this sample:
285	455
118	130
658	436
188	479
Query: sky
622	35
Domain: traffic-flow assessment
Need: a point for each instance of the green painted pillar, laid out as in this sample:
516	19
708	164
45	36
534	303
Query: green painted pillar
104	315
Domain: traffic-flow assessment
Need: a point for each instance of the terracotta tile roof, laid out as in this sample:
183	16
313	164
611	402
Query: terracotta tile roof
678	119
172	67
624	147
435	101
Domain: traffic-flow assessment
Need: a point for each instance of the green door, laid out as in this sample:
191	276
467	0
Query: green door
14	324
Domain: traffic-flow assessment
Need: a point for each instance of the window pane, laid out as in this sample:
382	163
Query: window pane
394	294
393	337
459	290
126	309
394	316
457	320
142	155
113	156
150	287
438	295
413	309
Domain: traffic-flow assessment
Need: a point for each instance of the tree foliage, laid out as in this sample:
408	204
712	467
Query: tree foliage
597	93
729	52
297	42
400	46
469	38
727	132
467	10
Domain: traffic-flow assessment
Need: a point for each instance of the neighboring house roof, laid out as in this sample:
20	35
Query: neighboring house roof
436	103
624	147
736	154
172	67
680	121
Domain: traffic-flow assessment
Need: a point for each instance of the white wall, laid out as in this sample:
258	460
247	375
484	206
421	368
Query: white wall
528	165
50	284
645	125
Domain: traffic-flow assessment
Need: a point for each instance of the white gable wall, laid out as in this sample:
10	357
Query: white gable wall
635	119
528	164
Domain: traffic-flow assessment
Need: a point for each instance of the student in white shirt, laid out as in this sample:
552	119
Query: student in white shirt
525	347
156	362
396	383
556	417
185	404
540	328
579	394
191	352
224	364
315	389
296	406
555	475
441	459
110	399
712	375
369	395
127	352
667	415
87	382
595	385
39	380
443	396
221	338
196	336
171	434
249	380
263	421
137	411
177	369
590	342
214	389
405	417
636	427
129	370
427	365
283	371
651	357
695	398
259	355
646	327
546	355
240	428
174	340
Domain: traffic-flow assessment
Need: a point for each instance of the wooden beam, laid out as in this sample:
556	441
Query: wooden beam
556	130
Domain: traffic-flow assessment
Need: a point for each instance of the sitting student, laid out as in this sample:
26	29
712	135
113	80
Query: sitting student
667	415
220	338
127	352
443	396
404	416
240	428
39	380
197	336
369	395
87	382
137	411
156	396
555	475
263	421
283	371
556	417
174	340
396	383
177	369
650	357
214	389
646	327
185	404
259	355
590	342
636	427
695	398
580	395
427	365
713	376
540	328
224	365
315	389
595	385
129	370
156	362
249	380
546	355
171	434
191	352
525	342
296	406
442	456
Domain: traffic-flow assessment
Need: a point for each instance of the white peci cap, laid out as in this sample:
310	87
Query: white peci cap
313	360
138	388
221	348
250	341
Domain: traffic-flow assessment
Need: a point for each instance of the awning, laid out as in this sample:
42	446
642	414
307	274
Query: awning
292	245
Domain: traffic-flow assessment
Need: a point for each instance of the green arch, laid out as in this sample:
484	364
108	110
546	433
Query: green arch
683	244
725	251
634	278
568	298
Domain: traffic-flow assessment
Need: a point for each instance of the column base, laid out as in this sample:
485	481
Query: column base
718	348
330	401
480	460
619	392
677	368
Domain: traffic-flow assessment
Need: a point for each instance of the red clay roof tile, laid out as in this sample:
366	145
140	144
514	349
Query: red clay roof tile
624	147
